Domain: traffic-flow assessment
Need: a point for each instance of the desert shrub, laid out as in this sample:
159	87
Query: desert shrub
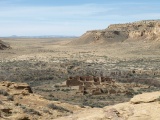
65	90
59	108
92	104
46	111
32	111
10	97
52	98
17	104
150	82
22	106
3	92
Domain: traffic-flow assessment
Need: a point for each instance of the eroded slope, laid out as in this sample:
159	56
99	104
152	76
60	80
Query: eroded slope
142	30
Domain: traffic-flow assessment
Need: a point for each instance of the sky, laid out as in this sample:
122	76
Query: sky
70	17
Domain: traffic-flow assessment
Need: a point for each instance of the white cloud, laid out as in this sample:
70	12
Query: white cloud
50	20
82	10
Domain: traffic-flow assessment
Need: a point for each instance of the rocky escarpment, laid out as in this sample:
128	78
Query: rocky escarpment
142	30
4	45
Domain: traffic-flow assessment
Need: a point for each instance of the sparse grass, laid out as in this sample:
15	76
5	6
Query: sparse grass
46	111
30	110
3	92
59	108
10	97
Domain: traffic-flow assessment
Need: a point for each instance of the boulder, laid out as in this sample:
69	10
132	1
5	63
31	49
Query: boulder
145	98
4	45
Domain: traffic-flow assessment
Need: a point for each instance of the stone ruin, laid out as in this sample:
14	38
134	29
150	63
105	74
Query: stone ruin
95	85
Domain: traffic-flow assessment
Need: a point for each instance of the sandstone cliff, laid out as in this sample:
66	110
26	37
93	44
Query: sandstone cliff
142	30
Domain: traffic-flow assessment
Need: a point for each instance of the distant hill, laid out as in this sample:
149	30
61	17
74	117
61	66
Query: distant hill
43	36
141	30
4	45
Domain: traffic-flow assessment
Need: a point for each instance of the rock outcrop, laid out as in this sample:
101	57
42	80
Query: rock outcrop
18	102
142	30
139	108
15	105
4	45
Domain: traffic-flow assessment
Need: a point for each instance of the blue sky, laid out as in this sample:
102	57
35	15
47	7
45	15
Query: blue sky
70	17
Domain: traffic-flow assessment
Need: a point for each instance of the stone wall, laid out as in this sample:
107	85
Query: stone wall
95	85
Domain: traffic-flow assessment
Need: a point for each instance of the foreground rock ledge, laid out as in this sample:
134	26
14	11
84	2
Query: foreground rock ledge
141	107
18	102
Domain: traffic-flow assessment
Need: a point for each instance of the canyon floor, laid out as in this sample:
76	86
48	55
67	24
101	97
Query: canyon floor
45	64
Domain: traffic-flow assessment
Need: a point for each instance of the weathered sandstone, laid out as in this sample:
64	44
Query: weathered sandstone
141	30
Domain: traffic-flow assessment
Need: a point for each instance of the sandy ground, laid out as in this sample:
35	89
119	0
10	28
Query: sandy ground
59	48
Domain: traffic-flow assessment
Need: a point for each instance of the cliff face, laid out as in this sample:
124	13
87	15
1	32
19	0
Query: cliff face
142	30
